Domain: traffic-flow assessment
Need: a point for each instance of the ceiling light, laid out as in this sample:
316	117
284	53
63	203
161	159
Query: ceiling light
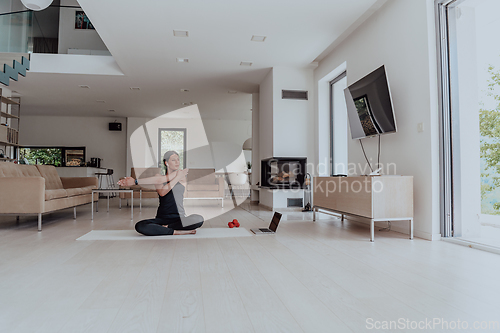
100	101
245	63
187	103
184	90
181	33
36	4
84	86
258	38
111	110
182	60
232	92
135	88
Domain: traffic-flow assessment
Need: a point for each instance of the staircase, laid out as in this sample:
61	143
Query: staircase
13	65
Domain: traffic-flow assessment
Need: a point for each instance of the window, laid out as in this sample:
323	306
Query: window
57	156
172	139
338	125
470	125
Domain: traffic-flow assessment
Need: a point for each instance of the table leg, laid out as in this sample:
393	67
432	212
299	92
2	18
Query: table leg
92	206
342	219
132	206
140	200
108	202
411	228
372	231
119	201
314	214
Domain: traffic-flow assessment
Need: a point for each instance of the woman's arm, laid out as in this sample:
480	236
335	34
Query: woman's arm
179	178
155	180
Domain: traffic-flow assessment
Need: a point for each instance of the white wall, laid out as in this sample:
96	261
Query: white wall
266	117
291	117
69	37
226	138
91	132
255	143
400	35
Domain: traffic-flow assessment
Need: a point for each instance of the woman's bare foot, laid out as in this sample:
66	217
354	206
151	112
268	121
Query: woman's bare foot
184	232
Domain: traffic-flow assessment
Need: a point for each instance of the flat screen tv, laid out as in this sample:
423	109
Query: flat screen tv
369	106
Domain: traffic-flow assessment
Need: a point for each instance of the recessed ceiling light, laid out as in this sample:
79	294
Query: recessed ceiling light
232	92
100	101
111	110
187	103
182	60
245	63
135	88
181	33
14	92
258	38
184	90
84	86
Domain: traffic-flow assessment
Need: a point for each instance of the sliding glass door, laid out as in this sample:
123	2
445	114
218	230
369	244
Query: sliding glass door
470	73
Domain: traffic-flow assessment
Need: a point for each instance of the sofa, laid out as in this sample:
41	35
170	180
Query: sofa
38	189
201	184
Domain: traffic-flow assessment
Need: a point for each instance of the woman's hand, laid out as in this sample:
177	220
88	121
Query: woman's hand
182	174
127	181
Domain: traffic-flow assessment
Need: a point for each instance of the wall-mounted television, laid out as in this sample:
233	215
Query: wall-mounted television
369	106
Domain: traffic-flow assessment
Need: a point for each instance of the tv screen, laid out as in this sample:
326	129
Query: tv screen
369	106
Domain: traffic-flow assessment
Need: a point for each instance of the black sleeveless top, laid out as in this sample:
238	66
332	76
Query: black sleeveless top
171	204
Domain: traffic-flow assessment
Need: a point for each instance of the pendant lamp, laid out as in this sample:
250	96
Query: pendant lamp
36	4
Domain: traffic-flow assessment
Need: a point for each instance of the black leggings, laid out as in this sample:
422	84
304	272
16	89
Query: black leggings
155	227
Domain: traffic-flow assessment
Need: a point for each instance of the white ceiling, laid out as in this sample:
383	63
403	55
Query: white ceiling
139	35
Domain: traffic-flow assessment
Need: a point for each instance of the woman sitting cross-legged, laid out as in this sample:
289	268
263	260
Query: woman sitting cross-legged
170	217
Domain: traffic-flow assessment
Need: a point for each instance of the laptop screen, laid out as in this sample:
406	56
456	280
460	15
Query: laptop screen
275	221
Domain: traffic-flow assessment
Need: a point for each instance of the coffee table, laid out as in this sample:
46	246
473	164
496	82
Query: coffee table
109	191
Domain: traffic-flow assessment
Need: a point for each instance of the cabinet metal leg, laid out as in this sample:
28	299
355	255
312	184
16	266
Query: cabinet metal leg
411	228
40	222
372	231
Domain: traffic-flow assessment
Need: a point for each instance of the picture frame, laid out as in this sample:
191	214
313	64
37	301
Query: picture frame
82	22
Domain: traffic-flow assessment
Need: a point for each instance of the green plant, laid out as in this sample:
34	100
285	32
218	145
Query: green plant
489	127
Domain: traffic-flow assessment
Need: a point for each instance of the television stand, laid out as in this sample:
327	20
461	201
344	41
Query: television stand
376	198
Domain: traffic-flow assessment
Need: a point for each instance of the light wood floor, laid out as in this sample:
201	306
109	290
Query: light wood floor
321	276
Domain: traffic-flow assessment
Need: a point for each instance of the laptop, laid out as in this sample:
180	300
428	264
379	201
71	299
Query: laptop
272	227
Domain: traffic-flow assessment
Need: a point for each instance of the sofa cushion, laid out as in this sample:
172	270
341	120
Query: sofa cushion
55	194
9	170
52	179
28	170
201	176
202	187
72	192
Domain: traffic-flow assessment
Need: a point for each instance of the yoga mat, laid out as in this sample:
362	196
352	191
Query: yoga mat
133	235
